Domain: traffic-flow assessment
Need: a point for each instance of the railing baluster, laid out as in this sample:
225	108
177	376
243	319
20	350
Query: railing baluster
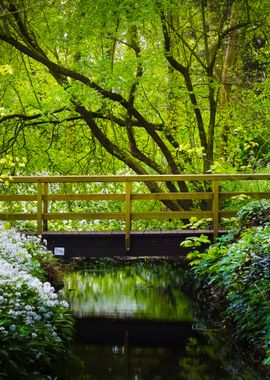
215	207
128	216
39	207
45	205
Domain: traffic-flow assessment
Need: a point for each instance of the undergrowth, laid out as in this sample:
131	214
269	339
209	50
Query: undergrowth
235	273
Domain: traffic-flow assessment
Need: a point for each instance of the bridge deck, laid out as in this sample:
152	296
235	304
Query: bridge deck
110	244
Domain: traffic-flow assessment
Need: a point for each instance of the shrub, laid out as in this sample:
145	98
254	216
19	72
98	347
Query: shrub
35	327
237	268
255	213
26	252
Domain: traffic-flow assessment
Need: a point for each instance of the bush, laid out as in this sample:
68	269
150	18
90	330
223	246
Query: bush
26	252
237	268
255	213
35	327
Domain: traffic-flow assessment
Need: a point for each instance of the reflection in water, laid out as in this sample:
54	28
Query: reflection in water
134	323
147	363
136	291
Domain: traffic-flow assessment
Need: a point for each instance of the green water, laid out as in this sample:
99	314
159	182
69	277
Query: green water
140	290
135	322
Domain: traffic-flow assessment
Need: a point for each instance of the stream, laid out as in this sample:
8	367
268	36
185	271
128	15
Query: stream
136	320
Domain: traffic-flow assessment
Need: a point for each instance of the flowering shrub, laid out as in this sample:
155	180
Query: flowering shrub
35	327
25	252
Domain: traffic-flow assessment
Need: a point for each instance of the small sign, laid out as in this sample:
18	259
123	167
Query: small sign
59	251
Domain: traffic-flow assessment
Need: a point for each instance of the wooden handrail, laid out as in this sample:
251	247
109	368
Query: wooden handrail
43	197
140	178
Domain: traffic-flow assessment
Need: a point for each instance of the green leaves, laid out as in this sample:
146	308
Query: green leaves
238	268
255	213
195	241
5	70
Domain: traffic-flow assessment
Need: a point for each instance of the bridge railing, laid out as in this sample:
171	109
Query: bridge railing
43	195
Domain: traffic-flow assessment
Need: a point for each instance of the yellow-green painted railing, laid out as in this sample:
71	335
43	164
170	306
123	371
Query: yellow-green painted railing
43	197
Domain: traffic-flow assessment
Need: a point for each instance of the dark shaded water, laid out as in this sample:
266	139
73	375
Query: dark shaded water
134	323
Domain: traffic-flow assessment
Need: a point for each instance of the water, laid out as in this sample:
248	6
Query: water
138	291
133	322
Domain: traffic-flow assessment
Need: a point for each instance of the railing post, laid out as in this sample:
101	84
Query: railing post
128	216
215	208
39	207
45	205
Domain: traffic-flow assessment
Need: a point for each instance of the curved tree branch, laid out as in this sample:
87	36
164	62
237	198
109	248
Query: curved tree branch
185	73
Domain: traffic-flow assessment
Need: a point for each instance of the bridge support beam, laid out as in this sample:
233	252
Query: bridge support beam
111	244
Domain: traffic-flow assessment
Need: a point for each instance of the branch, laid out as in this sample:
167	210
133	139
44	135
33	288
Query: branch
135	151
20	116
192	50
96	115
119	153
60	72
184	71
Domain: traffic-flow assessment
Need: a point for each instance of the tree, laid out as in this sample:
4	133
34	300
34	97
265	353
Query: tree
144	77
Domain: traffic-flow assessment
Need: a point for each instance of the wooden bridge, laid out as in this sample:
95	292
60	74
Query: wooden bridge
207	195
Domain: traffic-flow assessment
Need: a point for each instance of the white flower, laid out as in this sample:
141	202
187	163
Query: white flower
64	304
24	299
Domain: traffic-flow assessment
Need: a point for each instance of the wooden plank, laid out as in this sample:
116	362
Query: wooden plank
141	178
215	207
85	216
18	216
17	197
128	216
171	196
121	197
84	197
39	207
171	215
111	216
256	195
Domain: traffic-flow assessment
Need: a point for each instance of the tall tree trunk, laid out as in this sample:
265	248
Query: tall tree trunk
229	62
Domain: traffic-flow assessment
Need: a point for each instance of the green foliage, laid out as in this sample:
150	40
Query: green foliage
174	81
255	213
239	201
194	243
195	223
9	166
238	269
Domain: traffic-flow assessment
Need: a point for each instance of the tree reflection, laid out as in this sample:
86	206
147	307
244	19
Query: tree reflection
135	291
